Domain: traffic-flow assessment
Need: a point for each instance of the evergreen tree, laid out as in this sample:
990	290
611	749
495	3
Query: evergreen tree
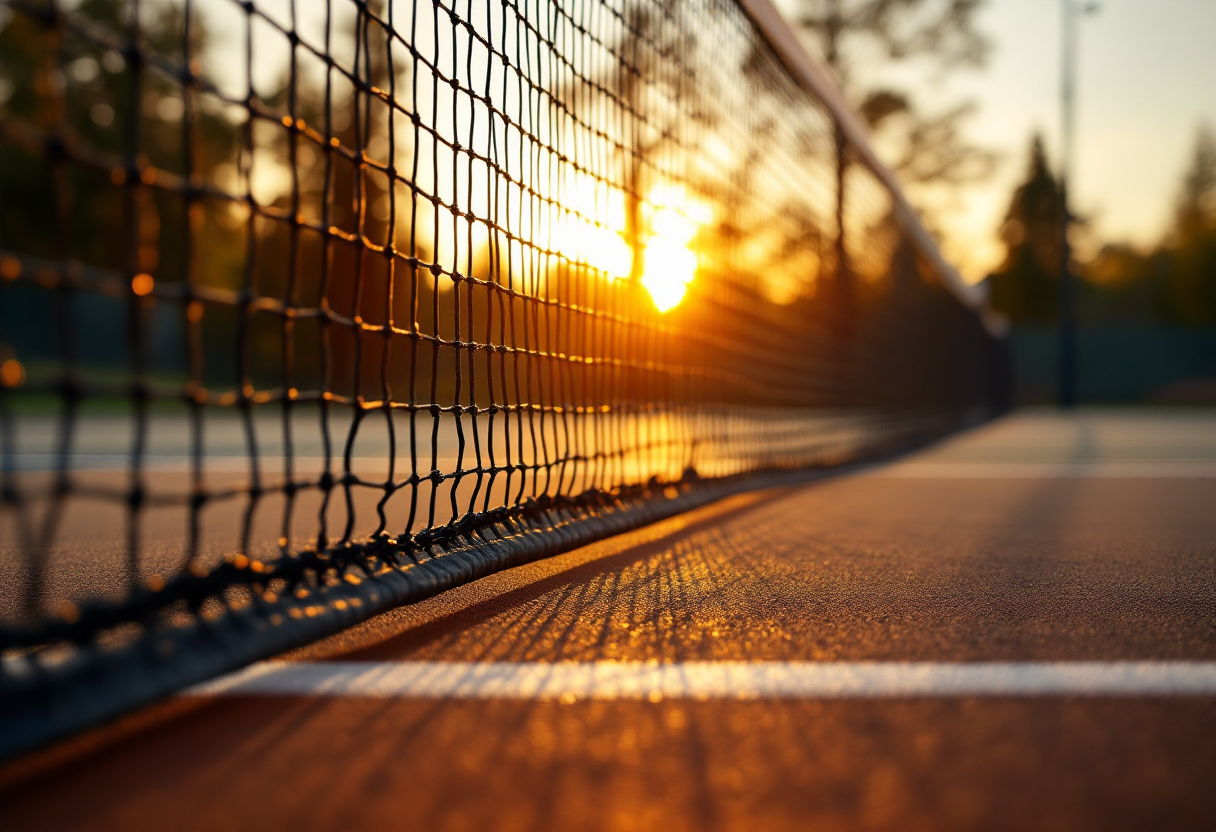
1026	287
923	148
1190	288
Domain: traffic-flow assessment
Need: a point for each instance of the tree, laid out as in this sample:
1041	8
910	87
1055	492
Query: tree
79	203
1191	244
923	148
1197	201
1025	288
1172	283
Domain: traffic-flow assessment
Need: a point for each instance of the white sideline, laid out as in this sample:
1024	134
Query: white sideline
914	470
568	681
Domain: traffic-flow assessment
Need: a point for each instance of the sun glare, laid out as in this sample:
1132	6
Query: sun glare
593	233
596	236
668	261
670	267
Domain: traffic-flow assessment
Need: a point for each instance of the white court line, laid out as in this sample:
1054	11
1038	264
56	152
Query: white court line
714	680
237	462
1045	470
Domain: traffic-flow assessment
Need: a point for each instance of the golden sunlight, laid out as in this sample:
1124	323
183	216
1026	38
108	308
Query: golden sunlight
592	231
599	246
668	262
595	235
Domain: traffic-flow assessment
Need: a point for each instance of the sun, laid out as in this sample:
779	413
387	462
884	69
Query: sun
595	234
669	264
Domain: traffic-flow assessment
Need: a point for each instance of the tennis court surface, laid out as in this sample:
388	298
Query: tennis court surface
1014	629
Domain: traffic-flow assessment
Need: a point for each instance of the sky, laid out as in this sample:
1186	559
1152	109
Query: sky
1146	80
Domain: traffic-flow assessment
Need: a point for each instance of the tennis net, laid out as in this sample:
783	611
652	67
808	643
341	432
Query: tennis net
311	309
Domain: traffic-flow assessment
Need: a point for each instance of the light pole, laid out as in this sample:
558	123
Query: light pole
1068	311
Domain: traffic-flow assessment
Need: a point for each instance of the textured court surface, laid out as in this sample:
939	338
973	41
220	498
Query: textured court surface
1037	539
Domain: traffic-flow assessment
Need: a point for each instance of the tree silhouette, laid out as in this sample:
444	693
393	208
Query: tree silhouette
924	148
1025	288
1174	282
1191	243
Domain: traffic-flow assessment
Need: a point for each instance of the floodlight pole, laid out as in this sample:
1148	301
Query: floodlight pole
1068	324
1068	311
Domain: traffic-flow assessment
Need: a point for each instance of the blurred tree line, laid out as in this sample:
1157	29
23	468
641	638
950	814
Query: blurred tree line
1172	283
118	155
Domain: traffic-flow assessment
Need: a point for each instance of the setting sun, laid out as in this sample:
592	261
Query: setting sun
670	267
596	236
668	262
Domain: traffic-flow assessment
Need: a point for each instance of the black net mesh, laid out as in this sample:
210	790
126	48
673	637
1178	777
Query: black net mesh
293	286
